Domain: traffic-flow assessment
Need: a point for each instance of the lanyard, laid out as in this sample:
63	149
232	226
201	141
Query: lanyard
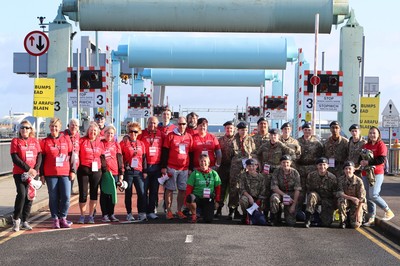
134	148
93	149
151	138
53	140
208	180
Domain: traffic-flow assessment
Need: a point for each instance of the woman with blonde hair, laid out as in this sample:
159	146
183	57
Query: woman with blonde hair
58	169
92	162
26	156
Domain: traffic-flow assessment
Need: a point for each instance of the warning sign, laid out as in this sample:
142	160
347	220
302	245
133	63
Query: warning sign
43	97
369	114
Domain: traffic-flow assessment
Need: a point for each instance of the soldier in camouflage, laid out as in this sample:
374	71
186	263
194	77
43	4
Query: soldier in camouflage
311	149
286	188
291	143
251	187
352	197
262	135
224	169
242	149
321	188
336	149
356	142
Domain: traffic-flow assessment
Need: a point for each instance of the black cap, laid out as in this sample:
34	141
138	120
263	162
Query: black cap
348	163
273	131
228	123
334	123
287	124
250	162
99	114
286	158
241	125
202	120
354	126
321	160
261	119
306	125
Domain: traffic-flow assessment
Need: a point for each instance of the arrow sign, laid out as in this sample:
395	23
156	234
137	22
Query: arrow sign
36	43
390	109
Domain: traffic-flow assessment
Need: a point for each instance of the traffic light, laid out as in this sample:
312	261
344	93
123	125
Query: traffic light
329	83
275	103
157	111
254	111
139	101
242	116
175	115
89	79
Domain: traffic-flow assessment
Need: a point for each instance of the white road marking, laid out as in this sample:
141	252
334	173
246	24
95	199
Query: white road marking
189	239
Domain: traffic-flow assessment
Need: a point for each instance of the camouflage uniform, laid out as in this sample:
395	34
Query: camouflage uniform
322	190
254	185
287	184
271	154
241	150
259	140
351	186
295	149
311	150
354	153
339	150
224	169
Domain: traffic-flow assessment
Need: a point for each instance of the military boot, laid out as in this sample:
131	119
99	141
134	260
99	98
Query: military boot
307	221
236	214
219	212
231	213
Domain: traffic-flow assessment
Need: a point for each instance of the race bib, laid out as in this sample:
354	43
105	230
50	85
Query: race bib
182	148
266	169
331	162
29	155
134	163
60	160
95	167
286	199
152	151
206	193
107	154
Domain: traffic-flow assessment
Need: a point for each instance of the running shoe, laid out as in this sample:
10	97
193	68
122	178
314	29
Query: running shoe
64	223
91	220
105	219
181	215
130	217
56	223
81	220
113	218
26	226
388	215
170	215
152	216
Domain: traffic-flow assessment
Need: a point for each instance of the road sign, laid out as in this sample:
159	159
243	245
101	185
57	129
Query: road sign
36	43
390	109
315	80
390	121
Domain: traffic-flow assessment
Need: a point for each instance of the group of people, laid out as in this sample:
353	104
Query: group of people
274	171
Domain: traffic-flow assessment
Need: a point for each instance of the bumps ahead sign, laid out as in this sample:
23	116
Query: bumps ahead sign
43	97
369	114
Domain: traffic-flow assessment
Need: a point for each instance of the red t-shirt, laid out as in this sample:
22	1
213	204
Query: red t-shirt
132	152
166	129
191	131
209	144
75	145
90	151
27	151
56	153
379	149
111	149
153	142
179	147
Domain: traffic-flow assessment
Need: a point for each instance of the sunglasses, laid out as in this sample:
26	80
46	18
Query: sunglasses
133	131
25	127
181	124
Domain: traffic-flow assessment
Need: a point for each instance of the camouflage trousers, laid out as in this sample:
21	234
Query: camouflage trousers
276	206
224	174
244	203
327	207
355	216
304	170
235	171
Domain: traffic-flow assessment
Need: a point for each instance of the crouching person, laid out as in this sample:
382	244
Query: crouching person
203	191
252	190
351	193
286	186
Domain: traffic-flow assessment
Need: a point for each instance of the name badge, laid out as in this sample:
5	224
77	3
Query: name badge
331	162
134	163
29	154
60	160
95	167
266	169
107	154
152	151
182	148
286	199
206	193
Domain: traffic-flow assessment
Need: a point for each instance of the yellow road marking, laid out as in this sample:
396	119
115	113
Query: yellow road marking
379	243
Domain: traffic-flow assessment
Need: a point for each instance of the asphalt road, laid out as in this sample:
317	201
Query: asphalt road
175	243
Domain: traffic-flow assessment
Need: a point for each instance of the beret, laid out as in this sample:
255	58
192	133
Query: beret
287	124
354	126
348	163
250	162
261	120
321	160
241	125
228	123
285	158
334	123
273	131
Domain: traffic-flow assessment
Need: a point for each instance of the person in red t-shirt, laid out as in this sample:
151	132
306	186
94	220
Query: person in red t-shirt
26	156
205	143
58	169
73	132
92	163
378	148
192	123
115	164
166	125
100	119
175	161
135	162
153	140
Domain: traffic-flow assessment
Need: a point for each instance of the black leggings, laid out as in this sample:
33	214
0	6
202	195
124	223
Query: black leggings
85	177
22	206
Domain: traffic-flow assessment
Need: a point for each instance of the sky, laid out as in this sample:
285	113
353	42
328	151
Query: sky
379	20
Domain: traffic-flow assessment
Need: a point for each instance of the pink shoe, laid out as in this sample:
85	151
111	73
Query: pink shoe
64	223
56	223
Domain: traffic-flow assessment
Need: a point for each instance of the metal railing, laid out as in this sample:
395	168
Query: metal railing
5	158
394	161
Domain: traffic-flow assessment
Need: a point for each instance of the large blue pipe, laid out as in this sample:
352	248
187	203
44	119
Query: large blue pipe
290	16
206	51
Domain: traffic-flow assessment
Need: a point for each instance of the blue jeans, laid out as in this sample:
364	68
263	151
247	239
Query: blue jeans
135	178
59	188
151	186
373	196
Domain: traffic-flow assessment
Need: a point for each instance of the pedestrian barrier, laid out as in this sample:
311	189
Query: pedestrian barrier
5	162
394	161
